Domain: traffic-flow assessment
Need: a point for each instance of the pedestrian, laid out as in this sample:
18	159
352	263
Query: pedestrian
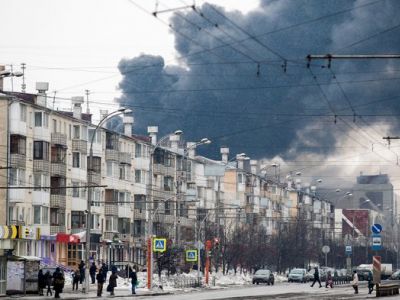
316	277
76	277
112	283
100	281
104	270
41	282
59	282
134	281
370	282
354	282
49	283
81	267
329	280
92	272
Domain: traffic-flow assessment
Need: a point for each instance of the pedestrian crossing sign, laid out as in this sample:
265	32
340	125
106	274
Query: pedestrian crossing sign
159	245
191	255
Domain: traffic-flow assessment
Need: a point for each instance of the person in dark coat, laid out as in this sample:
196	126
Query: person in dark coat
49	282
76	278
316	277
41	282
59	281
104	270
81	267
100	281
92	272
134	280
370	282
112	283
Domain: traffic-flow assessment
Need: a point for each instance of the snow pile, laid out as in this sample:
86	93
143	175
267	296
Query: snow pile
231	278
280	278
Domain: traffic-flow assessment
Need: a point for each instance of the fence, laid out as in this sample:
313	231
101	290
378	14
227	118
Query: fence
187	282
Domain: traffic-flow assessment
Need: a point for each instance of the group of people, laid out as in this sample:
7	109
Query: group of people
354	281
57	280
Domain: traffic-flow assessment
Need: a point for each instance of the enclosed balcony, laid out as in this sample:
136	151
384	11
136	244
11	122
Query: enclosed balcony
58	138
79	146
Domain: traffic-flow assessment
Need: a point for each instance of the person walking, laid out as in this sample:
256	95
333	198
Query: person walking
49	282
81	267
112	283
59	282
329	280
370	282
354	282
104	270
100	281
134	281
316	277
76	277
41	282
92	272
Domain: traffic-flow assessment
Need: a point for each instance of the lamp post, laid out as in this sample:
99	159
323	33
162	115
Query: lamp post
149	206
89	191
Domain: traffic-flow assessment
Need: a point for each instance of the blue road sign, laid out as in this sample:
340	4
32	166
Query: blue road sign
348	250
376	228
376	242
159	245
191	255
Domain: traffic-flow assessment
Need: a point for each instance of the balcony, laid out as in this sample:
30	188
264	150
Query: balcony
94	178
40	165
57	201
58	169
164	170
186	222
110	235
159	218
161	194
112	154
125	158
16	195
169	219
139	214
54	229
79	146
111	210
18	160
59	139
124	211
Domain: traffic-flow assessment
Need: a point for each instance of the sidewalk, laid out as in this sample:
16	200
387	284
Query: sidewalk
69	294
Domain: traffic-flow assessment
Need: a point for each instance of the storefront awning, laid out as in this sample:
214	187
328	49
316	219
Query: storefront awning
67	238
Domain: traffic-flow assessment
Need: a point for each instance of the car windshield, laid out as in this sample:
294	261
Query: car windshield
297	271
262	272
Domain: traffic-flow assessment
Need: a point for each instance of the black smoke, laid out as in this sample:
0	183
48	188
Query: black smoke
256	95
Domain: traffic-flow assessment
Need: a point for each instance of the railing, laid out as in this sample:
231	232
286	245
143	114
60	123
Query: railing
58	169
41	165
59	139
111	209
125	158
79	146
139	214
112	154
57	201
94	178
54	229
186	282
18	160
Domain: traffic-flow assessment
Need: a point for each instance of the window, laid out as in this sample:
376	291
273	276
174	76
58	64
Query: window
41	150
96	164
138	176
38	119
96	196
140	202
78	219
17	177
69	131
168	183
138	150
77	132
45	215
97	138
109	168
94	221
124	225
76	161
54	126
36	214
240	178
17	144
112	141
111	223
75	189
57	217
40	181
22	112
84	134
167	208
58	154
124	172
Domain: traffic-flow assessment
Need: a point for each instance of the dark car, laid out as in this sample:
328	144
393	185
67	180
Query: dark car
263	276
363	273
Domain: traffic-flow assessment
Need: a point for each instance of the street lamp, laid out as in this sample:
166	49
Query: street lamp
149	206
89	195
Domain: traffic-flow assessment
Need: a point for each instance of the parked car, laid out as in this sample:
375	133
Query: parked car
298	275
263	276
363	273
395	275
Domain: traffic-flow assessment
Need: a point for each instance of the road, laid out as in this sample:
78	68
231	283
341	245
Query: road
278	291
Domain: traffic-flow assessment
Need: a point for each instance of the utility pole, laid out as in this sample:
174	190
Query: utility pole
87	92
23	85
217	220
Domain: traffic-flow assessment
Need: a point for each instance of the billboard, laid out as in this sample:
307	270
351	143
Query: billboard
355	222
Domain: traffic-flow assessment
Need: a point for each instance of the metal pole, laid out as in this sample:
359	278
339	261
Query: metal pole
150	223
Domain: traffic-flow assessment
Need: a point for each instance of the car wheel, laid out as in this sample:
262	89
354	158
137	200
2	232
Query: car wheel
257	283
254	282
268	283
